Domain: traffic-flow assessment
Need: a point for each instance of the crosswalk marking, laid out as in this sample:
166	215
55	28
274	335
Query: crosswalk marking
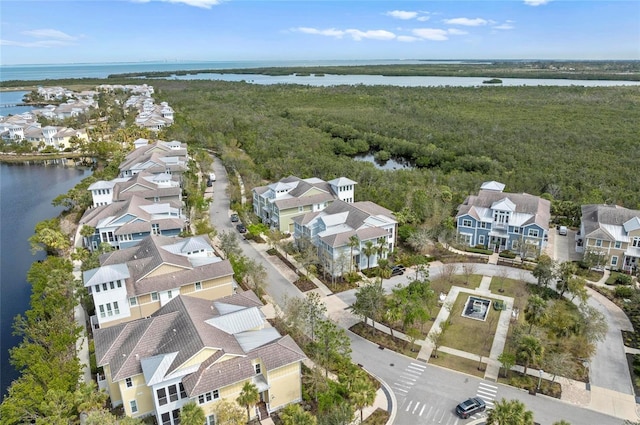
422	410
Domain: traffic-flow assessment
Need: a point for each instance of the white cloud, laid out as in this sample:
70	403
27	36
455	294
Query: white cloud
49	33
331	32
505	26
422	18
467	22
536	2
456	31
355	34
204	4
431	34
402	14
372	34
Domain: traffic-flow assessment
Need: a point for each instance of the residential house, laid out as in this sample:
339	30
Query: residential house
197	350
54	136
348	234
277	203
125	223
159	157
158	188
498	220
133	283
613	232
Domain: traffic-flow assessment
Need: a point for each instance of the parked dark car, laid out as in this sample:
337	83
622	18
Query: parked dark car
470	406
241	228
235	218
397	270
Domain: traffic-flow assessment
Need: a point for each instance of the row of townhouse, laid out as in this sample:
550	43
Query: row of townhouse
325	215
151	116
498	220
16	128
145	200
171	325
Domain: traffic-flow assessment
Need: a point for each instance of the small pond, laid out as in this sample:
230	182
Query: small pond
390	164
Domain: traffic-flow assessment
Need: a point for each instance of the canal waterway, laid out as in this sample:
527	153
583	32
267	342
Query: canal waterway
26	192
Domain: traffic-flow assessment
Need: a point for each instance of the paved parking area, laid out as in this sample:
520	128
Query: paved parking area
562	248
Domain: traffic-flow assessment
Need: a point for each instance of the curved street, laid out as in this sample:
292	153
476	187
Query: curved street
429	393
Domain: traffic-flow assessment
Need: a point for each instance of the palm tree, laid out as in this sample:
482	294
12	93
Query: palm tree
354	242
192	414
369	250
248	397
509	412
362	394
535	311
529	350
294	414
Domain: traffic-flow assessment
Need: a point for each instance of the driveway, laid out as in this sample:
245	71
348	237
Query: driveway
563	248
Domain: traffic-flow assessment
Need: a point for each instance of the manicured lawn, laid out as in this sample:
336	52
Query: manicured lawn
444	285
514	288
460	364
472	336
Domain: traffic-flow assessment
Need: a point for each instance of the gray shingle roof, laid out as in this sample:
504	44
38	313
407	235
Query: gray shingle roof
160	344
594	216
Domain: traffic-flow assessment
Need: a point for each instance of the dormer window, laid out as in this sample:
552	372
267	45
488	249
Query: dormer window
257	368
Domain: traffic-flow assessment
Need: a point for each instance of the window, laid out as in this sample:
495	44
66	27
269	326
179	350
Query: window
154	296
166	419
119	283
183	393
128	382
116	309
618	245
133	301
216	394
124	238
614	260
466	222
211	420
104	286
173	393
112	285
97	288
481	239
155	229
102	314
257	368
162	396
516	230
598	242
134	406
176	416
169	294
534	233
109	310
483	225
636	242
300	209
198	286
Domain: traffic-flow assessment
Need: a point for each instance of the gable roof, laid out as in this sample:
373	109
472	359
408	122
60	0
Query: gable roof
609	222
159	345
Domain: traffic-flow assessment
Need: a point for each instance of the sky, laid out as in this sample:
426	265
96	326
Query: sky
98	31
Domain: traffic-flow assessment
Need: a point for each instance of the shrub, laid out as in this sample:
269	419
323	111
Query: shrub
624	291
622	279
507	254
479	250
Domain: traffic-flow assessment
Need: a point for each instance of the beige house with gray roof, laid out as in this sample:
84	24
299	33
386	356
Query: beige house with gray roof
198	350
613	232
135	282
278	203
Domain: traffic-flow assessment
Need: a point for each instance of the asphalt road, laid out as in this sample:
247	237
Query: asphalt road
428	394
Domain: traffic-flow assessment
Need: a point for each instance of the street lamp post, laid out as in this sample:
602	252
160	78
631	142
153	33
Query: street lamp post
540	379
